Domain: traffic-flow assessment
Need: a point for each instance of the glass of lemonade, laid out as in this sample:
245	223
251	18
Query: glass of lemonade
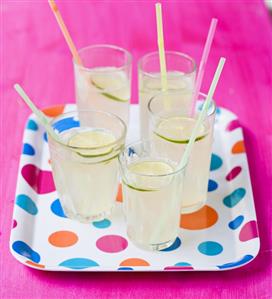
85	162
181	72
152	195
170	129
103	81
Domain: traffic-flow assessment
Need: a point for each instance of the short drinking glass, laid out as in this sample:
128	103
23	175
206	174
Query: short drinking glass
85	162
152	195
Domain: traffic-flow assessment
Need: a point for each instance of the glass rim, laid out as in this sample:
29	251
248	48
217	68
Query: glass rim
174	172
123	135
152	99
128	55
177	53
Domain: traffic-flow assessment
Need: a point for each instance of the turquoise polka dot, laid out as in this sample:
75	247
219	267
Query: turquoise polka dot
216	162
183	264
27	204
78	263
210	248
234	198
56	208
31	125
102	224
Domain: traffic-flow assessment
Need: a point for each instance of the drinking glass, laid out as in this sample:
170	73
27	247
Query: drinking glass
85	162
181	72
152	195
170	129
103	81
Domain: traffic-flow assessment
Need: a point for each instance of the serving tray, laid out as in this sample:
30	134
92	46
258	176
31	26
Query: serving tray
220	236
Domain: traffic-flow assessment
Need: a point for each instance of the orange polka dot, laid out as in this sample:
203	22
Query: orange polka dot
54	111
119	196
35	265
238	147
203	218
134	262
63	239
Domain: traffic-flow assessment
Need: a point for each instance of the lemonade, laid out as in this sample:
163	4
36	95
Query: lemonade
85	169
172	135
102	80
104	89
180	77
152	197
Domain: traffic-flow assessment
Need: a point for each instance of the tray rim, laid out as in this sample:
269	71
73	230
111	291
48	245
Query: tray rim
23	260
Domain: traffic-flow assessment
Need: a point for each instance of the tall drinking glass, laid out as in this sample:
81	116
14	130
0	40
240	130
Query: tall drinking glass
85	162
152	195
170	131
181	72
103	81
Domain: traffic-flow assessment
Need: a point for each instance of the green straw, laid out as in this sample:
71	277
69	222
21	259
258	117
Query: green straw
189	147
202	114
40	115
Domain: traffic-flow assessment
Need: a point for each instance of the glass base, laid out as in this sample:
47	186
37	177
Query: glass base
88	219
151	247
192	208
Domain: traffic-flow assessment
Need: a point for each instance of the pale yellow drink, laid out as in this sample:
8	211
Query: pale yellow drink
172	135
103	89
150	85
152	195
84	161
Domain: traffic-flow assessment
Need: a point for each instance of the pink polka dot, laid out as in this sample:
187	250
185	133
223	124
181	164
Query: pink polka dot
111	243
14	223
234	124
249	231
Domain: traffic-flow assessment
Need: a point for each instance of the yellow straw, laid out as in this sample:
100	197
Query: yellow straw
161	47
65	31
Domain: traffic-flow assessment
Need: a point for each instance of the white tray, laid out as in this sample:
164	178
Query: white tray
222	235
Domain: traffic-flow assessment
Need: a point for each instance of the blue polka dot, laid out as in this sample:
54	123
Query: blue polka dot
183	264
212	186
78	263
32	125
45	137
23	249
210	248
28	150
27	204
244	260
216	162
218	111
235	223
174	246
65	124
125	269
234	198
102	224
56	208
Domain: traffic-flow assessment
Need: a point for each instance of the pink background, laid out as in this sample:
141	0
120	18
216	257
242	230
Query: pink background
34	54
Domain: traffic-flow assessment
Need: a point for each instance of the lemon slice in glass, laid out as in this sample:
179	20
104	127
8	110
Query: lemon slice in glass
149	175
92	143
179	129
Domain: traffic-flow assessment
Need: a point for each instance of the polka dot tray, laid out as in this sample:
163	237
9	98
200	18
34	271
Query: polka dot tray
221	235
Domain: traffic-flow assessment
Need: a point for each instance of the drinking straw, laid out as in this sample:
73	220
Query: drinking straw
65	31
203	63
188	149
202	114
39	114
161	47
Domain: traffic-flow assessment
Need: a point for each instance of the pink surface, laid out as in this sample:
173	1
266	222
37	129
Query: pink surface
35	55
